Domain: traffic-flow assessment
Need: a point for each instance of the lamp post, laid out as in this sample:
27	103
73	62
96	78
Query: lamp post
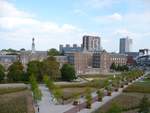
114	76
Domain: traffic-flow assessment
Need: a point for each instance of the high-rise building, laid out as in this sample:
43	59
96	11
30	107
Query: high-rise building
125	45
91	43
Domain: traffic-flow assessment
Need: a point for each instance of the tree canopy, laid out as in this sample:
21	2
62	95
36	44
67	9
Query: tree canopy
15	72
48	67
68	72
2	72
119	67
35	88
53	52
51	68
35	67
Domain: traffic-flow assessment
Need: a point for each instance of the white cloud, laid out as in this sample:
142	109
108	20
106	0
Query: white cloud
9	10
19	27
13	22
115	17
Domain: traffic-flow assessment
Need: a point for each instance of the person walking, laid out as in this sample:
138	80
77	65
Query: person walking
38	109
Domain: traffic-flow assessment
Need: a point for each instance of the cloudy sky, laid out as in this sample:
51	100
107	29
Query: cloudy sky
54	22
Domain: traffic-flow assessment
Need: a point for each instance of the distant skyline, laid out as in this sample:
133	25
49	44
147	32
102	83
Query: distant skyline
54	22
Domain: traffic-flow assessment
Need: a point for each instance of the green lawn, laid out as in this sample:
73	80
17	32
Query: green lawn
95	76
11	90
128	102
69	90
94	83
16	100
70	93
139	87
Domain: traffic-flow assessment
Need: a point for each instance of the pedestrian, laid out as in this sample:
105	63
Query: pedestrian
38	109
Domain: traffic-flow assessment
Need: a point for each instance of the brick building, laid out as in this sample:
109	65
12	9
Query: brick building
101	60
82	61
118	59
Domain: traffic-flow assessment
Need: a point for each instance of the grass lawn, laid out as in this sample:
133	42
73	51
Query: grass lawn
70	90
95	76
96	83
139	87
127	101
11	89
20	101
69	93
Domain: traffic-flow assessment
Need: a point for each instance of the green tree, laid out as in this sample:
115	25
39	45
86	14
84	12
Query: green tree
125	67
51	68
144	106
53	52
119	67
2	72
9	50
68	72
46	79
35	67
37	95
49	82
57	93
15	72
100	95
114	108
55	90
88	98
113	66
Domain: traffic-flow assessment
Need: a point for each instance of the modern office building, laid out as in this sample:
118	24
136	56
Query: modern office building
125	45
143	52
91	43
143	60
144	57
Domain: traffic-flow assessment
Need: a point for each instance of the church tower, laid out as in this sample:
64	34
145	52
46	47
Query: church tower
33	45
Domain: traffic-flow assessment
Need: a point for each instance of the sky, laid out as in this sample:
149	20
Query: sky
54	22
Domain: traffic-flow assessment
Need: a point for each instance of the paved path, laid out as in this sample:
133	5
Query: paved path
46	105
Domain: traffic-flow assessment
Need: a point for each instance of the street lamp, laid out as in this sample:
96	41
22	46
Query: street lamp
114	76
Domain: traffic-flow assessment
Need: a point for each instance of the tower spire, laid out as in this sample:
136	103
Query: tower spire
33	45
